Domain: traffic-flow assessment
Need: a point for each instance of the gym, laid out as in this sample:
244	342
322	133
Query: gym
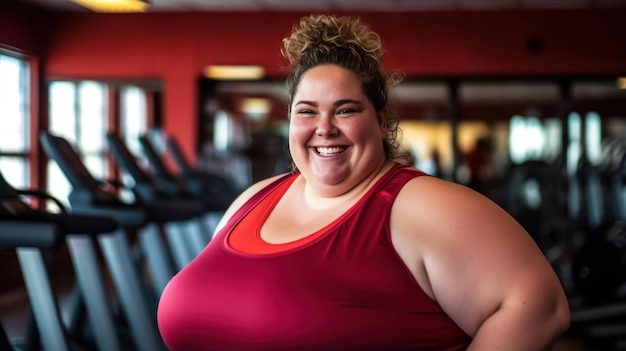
123	115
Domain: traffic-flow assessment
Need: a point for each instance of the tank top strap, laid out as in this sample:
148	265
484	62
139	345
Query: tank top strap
255	200
391	183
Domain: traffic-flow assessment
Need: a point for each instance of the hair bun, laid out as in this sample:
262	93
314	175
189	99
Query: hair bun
325	33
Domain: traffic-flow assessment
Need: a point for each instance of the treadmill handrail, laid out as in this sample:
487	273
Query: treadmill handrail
160	169
127	160
69	161
177	154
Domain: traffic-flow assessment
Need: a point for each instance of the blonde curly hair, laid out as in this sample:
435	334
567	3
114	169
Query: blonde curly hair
326	33
348	43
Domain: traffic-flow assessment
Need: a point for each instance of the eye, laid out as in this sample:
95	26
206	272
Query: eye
346	111
305	112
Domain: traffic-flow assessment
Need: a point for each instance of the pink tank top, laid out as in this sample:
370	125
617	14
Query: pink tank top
345	290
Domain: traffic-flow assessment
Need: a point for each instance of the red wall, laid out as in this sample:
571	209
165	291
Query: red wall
176	47
19	29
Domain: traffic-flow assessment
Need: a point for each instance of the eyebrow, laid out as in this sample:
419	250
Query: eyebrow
305	102
335	104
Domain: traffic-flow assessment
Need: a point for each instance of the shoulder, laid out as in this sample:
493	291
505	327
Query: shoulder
245	196
456	216
452	217
436	202
469	253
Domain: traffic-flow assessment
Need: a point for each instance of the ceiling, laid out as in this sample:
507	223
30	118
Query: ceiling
345	5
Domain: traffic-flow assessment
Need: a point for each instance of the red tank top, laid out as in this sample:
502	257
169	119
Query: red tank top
246	235
346	289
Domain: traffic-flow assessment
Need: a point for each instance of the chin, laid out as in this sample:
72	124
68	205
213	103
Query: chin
331	177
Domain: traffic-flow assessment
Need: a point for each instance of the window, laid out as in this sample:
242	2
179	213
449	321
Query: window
78	113
593	137
528	139
14	112
574	150
134	118
134	123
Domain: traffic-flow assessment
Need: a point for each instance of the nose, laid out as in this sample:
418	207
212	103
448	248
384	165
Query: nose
326	126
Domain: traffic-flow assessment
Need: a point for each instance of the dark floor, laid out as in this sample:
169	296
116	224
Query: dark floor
14	309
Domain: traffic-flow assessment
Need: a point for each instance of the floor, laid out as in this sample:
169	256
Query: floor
14	309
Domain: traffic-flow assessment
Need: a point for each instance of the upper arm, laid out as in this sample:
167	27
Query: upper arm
477	259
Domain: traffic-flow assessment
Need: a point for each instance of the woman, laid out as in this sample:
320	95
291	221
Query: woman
353	251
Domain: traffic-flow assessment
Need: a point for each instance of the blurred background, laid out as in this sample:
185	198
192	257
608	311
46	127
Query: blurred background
522	100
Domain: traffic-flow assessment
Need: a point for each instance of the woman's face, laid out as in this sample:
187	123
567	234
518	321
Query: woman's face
335	135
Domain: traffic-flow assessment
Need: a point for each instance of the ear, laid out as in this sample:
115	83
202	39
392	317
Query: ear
382	122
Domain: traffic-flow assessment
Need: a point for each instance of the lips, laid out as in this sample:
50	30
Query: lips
330	151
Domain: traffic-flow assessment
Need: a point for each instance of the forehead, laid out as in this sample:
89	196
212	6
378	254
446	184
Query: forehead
326	79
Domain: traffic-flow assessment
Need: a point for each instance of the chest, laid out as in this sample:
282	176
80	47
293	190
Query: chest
292	218
340	292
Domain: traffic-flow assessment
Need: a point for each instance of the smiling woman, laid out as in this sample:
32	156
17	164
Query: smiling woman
332	124
354	250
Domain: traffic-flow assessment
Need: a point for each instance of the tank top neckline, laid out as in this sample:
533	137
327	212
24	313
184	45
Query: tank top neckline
320	234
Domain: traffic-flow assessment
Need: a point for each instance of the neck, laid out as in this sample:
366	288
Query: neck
331	196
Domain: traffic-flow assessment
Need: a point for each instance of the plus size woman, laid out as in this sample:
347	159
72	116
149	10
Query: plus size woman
353	250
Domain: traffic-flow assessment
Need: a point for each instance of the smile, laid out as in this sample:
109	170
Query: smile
330	151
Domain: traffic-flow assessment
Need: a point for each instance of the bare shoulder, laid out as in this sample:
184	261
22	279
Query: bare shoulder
454	212
245	196
465	250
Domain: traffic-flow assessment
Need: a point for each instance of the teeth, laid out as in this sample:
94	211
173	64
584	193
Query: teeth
327	151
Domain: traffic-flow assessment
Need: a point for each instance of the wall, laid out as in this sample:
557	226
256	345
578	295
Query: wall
175	47
19	29
20	33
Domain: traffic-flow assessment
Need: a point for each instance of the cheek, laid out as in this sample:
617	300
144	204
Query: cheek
297	135
366	133
299	129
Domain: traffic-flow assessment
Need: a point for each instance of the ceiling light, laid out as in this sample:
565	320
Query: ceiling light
115	5
226	72
256	108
